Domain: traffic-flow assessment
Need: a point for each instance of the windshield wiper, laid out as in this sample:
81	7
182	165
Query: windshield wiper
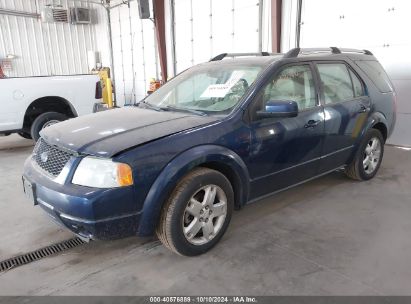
149	105
197	112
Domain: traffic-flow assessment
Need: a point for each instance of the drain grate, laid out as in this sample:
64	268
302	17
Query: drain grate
39	254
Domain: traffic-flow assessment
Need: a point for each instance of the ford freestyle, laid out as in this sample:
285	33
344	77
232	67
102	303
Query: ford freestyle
214	138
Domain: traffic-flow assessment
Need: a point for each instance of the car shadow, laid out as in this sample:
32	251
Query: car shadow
16	143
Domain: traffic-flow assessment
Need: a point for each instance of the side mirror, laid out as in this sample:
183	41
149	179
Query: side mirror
279	108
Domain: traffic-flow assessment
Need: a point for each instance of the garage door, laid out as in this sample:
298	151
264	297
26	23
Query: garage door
380	26
204	29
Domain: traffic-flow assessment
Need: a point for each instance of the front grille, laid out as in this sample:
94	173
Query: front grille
50	158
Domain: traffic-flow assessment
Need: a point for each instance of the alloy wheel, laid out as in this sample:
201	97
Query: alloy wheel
372	154
205	214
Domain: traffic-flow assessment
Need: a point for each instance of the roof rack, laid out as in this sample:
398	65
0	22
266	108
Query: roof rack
223	55
334	50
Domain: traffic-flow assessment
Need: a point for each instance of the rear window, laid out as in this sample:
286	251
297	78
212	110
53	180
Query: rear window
376	73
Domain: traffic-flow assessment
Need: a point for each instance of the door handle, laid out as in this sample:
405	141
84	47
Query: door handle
363	109
312	123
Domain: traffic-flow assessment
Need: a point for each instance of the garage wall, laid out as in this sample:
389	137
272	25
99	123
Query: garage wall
378	25
134	52
48	48
204	29
288	25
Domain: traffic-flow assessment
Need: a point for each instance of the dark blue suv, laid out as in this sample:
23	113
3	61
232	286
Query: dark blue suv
217	136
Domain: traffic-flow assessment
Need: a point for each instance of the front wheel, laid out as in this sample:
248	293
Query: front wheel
197	214
368	158
45	120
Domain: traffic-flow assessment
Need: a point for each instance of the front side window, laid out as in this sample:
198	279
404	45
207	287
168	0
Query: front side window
294	83
336	82
214	89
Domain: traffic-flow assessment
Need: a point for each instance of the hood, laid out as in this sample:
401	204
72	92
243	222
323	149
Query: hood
110	132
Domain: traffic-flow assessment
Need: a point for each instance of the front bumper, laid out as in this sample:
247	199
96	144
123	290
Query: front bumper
91	213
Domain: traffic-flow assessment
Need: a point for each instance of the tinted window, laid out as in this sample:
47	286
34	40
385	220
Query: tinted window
357	85
336	82
376	73
293	83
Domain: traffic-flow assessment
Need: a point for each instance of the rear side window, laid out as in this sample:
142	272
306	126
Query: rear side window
376	73
357	85
336	82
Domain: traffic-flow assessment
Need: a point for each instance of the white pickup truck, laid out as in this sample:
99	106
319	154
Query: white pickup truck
30	104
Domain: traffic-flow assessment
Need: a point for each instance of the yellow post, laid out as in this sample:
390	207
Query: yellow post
109	90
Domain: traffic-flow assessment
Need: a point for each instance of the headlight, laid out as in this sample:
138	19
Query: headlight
102	173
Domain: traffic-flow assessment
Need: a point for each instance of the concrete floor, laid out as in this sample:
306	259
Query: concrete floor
331	236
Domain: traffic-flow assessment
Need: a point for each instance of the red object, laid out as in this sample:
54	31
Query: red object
1	73
276	11
154	85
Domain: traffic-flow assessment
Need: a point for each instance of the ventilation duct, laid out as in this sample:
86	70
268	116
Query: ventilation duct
80	15
51	14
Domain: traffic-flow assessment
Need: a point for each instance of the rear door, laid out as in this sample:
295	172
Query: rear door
346	107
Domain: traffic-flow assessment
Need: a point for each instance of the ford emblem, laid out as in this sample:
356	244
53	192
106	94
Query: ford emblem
44	156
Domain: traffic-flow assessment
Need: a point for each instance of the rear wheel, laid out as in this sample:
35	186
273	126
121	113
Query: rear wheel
45	120
368	159
197	214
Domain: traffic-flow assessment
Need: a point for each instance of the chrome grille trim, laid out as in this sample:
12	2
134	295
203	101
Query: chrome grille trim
50	159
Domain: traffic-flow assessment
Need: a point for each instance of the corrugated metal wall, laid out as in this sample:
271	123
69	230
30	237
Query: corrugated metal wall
203	29
134	53
48	48
206	28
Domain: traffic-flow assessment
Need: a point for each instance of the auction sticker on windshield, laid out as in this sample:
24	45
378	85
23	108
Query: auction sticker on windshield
221	90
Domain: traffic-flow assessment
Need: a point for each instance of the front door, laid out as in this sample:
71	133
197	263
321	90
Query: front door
286	151
346	108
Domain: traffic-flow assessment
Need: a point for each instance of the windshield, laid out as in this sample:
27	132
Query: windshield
210	89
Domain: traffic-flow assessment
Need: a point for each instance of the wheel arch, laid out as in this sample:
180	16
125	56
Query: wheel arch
214	157
377	121
380	126
47	104
232	175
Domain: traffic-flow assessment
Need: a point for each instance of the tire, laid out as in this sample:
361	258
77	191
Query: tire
364	165
25	135
44	120
178	225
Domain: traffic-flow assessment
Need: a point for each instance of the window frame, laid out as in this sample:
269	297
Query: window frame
277	71
349	68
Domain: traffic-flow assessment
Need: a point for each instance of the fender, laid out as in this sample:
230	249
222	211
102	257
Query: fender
180	166
372	120
44	100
